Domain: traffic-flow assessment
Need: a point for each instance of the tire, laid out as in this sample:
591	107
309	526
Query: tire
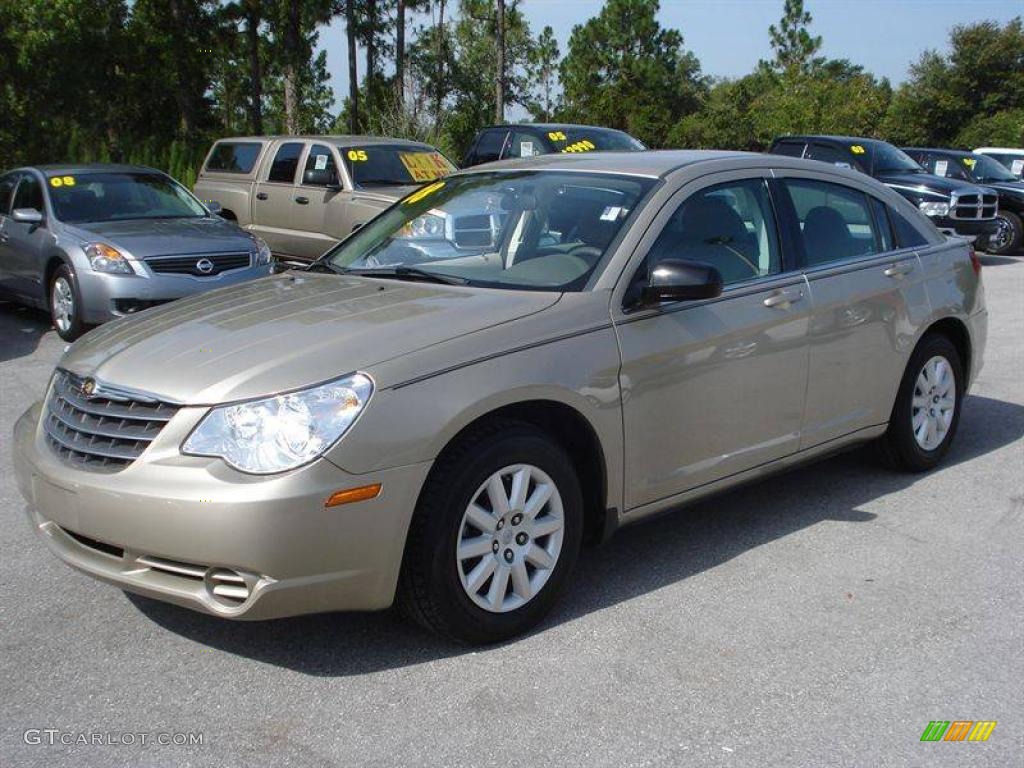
438	589
65	303
903	447
1009	239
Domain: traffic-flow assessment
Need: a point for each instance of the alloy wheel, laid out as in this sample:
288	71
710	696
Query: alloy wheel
63	302
934	403
1003	235
510	538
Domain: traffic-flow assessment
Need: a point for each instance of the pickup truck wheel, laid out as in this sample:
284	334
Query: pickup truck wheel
494	536
927	410
65	304
1007	238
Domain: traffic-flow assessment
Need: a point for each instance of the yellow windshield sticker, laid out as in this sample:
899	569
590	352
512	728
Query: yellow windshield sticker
970	162
424	166
430	189
357	155
583	145
857	149
556	135
56	181
69	181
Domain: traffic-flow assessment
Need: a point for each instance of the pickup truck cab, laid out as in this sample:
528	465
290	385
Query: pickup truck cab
979	169
507	142
955	207
302	194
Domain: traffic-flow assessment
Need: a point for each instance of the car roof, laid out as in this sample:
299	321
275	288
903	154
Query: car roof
829	137
551	126
330	139
651	163
1010	150
62	169
938	150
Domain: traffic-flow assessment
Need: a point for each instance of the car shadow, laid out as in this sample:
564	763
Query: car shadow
21	329
638	559
991	260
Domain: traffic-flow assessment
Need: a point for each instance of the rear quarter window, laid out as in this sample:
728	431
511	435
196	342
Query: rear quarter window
234	157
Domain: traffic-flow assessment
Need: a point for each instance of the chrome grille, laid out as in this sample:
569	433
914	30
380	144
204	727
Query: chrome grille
979	205
476	231
105	431
198	265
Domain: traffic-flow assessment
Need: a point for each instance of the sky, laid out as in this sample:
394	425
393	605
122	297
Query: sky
730	36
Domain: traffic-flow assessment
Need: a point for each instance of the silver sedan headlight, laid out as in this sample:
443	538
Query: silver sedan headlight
283	432
106	258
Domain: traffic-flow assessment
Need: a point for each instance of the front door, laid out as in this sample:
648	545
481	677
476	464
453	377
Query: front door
320	208
714	387
25	243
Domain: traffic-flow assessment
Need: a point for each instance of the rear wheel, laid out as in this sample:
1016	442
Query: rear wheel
927	410
495	534
65	304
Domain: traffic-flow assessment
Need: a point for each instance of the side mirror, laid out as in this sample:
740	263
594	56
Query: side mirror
214	207
321	177
27	215
678	280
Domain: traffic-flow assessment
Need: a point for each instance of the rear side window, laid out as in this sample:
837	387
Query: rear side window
835	221
907	235
789	148
233	157
489	147
286	162
29	194
827	154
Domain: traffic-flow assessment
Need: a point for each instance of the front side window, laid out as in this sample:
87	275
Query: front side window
889	159
835	221
119	196
943	165
524	145
833	155
6	190
385	165
29	194
286	163
535	230
489	146
321	162
729	226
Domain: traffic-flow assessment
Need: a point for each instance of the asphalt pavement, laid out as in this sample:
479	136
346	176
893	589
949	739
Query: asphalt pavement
819	618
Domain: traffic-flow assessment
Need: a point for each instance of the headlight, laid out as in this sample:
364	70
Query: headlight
280	433
106	258
261	253
429	226
934	209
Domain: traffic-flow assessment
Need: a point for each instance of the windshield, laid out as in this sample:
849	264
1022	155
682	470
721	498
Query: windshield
590	139
394	165
539	230
981	168
92	197
889	159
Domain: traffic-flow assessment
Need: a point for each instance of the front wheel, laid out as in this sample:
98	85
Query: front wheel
1007	238
927	410
65	304
494	536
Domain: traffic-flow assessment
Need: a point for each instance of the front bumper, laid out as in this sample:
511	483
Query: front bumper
105	297
170	527
969	228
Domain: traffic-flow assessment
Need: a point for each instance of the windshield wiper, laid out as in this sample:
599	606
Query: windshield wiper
403	271
324	266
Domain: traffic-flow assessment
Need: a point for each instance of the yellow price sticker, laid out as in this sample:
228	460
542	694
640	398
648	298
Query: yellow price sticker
357	155
970	162
424	166
581	146
69	181
430	189
857	149
556	135
56	181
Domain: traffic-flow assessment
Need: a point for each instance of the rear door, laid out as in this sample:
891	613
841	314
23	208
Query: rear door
867	300
274	207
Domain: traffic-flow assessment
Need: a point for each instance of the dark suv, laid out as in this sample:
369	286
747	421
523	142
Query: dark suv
979	169
504	142
955	207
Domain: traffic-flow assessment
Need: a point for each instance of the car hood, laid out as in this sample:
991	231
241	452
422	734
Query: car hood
384	195
926	182
142	238
285	332
1011	188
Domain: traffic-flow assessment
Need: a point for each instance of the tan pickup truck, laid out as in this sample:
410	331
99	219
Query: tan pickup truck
302	194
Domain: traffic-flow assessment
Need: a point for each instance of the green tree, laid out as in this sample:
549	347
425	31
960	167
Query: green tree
792	42
542	76
624	71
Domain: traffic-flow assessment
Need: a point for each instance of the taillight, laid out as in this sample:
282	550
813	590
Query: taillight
975	261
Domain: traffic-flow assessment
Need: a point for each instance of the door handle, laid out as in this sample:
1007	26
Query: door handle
261	195
782	299
900	269
302	200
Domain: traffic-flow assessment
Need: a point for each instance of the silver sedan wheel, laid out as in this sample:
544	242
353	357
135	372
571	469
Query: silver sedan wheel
62	300
510	538
934	403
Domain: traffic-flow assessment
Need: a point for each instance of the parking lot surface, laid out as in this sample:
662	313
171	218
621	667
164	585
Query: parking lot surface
819	618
